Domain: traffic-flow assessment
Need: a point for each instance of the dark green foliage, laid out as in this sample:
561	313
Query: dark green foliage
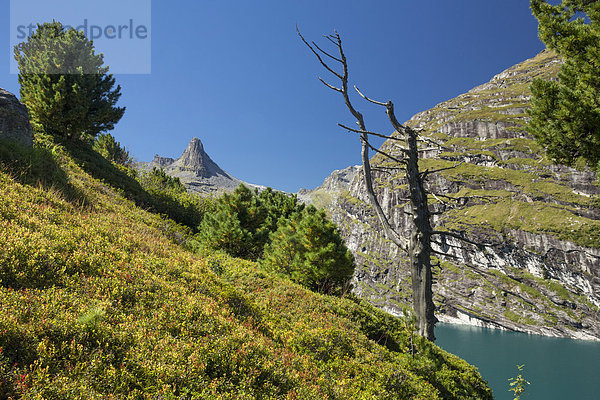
109	148
309	248
243	220
66	88
298	242
157	179
169	197
565	115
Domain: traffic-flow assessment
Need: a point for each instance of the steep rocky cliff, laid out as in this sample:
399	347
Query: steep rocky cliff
540	272
14	119
196	170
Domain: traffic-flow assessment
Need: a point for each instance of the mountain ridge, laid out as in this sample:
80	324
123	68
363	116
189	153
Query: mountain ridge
196	170
543	275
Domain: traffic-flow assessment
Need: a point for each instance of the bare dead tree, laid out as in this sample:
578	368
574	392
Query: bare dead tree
418	243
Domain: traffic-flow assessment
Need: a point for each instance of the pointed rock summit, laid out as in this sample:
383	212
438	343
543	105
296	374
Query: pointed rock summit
196	170
194	159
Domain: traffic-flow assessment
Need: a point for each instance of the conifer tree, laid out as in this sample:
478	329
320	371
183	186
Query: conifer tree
309	249
244	219
111	149
565	114
66	88
222	230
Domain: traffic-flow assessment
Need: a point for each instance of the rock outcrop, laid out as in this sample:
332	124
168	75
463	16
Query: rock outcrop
196	170
14	119
336	183
541	272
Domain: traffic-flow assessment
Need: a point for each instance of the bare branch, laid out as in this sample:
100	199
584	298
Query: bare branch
379	103
446	244
326	53
370	133
459	237
440	200
445	254
400	241
431	141
323	63
428	172
330	38
447	197
463	198
383	153
330	86
382	168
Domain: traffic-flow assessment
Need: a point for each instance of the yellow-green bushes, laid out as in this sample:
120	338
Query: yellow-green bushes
98	301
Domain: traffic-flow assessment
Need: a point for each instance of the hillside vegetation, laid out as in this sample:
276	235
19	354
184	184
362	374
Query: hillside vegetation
102	299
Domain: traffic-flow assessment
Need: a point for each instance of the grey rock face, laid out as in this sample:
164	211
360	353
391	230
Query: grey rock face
195	160
334	184
14	119
541	272
162	162
197	171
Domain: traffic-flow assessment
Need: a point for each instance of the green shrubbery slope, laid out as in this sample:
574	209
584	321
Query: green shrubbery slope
100	299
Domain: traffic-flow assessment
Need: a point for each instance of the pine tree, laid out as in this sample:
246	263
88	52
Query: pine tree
309	249
66	88
237	226
111	149
222	230
565	115
244	219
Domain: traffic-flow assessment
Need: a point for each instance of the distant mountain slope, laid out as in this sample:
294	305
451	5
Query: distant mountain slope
196	170
543	274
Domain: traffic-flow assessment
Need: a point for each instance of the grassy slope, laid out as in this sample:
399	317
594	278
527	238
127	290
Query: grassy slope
97	299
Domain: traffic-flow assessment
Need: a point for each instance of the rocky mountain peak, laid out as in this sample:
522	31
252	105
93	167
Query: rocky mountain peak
196	170
162	161
194	159
194	152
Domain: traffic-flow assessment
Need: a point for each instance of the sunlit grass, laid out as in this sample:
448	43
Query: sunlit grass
98	300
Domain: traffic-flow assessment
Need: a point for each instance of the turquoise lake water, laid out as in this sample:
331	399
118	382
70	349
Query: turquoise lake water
557	368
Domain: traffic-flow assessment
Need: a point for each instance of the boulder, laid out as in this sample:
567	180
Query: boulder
14	119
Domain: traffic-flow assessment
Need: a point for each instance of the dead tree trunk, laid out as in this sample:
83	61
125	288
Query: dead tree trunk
419	243
418	246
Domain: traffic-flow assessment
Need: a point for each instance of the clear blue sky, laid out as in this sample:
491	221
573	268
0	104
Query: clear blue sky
234	74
